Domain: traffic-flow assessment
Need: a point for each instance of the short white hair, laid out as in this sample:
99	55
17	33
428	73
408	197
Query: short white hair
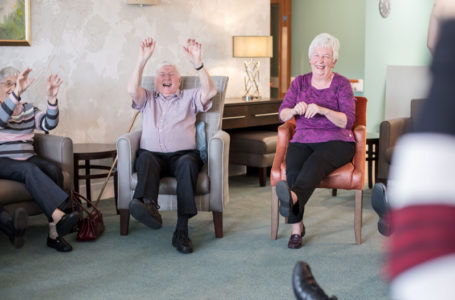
325	40
8	71
165	64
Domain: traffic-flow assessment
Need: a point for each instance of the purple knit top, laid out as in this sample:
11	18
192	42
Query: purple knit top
337	97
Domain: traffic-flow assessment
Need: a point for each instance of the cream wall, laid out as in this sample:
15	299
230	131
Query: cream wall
93	44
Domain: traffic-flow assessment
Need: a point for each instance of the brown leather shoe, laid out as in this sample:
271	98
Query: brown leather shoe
295	241
146	213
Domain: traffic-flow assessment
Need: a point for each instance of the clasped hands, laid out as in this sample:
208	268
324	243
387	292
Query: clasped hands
308	110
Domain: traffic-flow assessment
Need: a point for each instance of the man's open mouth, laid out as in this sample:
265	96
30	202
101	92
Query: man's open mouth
167	84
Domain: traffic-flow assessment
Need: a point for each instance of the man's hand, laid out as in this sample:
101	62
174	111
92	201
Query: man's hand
52	87
146	49
193	52
22	82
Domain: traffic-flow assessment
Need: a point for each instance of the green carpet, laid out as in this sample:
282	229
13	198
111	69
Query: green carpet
244	264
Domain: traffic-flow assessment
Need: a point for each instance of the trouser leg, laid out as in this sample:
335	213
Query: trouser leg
45	192
321	159
149	167
185	166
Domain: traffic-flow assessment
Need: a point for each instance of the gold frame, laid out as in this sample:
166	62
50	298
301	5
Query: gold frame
27	40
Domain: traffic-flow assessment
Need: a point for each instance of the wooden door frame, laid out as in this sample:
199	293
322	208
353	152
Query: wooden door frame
284	41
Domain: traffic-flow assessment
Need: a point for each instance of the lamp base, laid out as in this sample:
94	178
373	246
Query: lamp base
251	98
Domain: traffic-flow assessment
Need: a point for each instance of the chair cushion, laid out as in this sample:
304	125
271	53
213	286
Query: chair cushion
255	141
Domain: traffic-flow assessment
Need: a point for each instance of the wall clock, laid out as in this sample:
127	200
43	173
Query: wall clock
384	8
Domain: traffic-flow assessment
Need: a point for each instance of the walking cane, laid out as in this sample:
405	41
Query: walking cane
114	163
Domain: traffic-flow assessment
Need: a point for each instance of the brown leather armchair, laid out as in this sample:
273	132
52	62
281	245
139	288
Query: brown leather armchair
351	176
389	133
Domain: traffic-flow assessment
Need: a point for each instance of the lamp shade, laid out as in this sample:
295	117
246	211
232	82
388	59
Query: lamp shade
252	46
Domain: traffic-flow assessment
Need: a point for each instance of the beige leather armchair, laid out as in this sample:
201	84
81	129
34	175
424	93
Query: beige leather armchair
212	192
54	148
389	133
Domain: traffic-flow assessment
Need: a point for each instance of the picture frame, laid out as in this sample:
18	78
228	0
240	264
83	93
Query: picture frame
15	23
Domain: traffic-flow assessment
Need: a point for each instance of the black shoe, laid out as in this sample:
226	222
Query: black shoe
381	206
182	242
146	213
59	244
66	223
284	198
305	286
20	218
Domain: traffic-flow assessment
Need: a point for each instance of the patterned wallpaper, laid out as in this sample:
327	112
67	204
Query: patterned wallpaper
93	45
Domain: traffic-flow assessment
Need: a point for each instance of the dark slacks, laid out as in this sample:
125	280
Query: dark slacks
307	164
183	165
43	181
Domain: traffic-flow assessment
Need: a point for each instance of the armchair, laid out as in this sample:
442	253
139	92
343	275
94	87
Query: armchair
54	148
212	192
351	176
389	133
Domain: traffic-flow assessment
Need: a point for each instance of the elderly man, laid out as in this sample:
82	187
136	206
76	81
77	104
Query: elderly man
168	141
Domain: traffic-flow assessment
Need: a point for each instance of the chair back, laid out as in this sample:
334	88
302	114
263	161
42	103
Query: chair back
360	112
213	118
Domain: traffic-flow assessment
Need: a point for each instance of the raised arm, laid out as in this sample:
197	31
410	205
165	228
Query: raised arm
193	53
134	85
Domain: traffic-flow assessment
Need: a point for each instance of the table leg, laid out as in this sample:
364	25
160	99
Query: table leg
76	175
370	161
87	179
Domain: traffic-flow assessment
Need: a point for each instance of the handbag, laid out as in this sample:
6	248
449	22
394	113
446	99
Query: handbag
91	224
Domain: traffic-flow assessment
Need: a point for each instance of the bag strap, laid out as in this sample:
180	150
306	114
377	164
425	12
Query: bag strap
77	199
114	163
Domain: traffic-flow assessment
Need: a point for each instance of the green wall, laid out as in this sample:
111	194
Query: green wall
368	42
344	19
400	39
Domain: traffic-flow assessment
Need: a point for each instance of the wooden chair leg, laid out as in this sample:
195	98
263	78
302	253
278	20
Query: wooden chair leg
275	215
262	176
218	223
358	216
124	221
334	192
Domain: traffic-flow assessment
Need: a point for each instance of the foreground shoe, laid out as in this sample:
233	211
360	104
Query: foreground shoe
284	198
147	214
305	286
66	223
59	244
381	206
182	242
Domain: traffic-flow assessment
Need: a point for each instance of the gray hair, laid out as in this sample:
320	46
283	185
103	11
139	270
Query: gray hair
164	64
8	71
325	40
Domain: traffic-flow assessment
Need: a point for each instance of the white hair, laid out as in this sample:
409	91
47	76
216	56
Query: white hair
165	64
8	71
325	40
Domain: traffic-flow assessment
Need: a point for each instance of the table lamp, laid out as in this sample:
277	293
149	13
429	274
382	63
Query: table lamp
252	47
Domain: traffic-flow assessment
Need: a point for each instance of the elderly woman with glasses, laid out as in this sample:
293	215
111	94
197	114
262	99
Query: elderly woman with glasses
323	105
18	160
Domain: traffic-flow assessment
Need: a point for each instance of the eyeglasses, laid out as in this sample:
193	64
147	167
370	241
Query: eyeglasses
9	84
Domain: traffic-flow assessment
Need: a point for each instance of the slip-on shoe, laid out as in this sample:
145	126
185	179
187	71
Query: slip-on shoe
284	198
381	206
66	223
305	286
59	244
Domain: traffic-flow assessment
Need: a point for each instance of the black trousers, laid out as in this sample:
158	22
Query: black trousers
183	165
43	181
307	164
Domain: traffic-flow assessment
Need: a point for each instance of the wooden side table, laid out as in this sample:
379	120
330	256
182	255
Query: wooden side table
372	156
88	152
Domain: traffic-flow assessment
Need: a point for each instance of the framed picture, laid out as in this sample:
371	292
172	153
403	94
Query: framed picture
15	23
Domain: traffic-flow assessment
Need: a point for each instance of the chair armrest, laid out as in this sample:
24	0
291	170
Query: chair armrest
389	133
59	150
127	145
218	163
285	132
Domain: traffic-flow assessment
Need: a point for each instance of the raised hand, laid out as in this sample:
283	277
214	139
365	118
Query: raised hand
23	82
146	48
193	52
52	86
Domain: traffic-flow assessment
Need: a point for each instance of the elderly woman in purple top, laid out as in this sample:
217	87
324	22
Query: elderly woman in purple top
323	105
